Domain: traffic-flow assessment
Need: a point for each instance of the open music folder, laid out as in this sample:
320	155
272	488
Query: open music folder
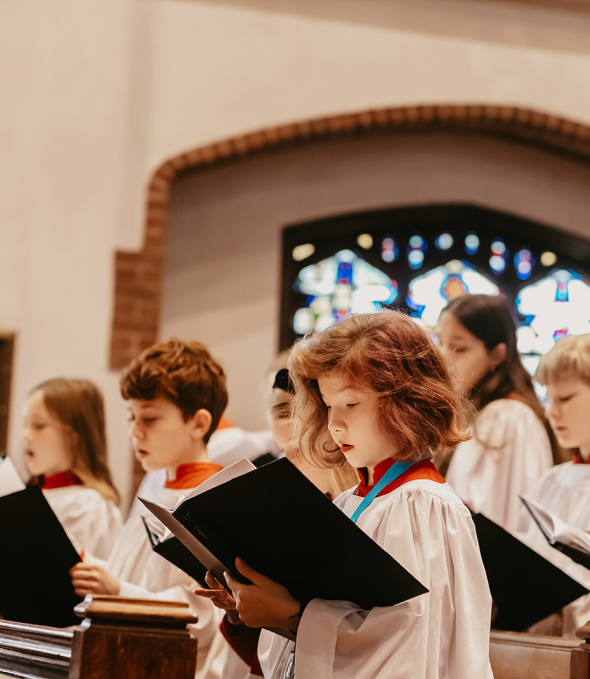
35	585
280	524
525	586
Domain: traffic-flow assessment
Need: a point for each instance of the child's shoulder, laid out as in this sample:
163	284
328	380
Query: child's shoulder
87	499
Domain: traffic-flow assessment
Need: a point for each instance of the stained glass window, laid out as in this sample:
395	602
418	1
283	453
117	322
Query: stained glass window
431	292
339	285
555	306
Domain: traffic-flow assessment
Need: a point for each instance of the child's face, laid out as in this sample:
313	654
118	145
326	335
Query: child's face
160	437
46	441
569	413
282	431
354	424
470	355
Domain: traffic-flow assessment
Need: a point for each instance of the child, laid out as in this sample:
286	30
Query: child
176	393
66	454
244	663
565	488
374	390
512	444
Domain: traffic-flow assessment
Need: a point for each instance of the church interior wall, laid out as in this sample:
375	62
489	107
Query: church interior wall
100	95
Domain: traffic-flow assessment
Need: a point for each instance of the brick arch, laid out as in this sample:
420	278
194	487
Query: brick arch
138	275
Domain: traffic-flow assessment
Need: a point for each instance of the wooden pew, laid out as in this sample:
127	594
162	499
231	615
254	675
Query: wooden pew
118	639
526	656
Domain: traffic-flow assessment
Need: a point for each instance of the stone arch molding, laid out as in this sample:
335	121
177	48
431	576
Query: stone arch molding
138	275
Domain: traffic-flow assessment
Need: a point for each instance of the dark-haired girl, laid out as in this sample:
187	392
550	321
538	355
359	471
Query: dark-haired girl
512	444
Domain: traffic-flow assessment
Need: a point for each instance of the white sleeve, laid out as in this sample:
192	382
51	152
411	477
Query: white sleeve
229	445
93	522
509	452
444	633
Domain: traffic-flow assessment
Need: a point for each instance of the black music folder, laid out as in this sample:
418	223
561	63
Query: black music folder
172	549
35	584
281	525
525	586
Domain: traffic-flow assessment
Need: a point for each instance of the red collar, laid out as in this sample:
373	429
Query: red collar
420	470
578	459
193	474
60	480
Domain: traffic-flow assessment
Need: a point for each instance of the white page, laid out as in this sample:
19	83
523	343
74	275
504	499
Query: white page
236	469
10	481
557	530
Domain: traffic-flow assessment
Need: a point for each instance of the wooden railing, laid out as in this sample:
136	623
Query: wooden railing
118	639
526	656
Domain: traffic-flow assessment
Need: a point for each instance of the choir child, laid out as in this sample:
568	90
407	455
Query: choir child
66	454
375	391
243	663
176	393
565	488
512	445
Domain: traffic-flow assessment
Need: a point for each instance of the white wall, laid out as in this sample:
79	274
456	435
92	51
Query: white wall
95	95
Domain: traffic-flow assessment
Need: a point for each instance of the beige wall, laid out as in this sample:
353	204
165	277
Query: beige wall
222	275
97	94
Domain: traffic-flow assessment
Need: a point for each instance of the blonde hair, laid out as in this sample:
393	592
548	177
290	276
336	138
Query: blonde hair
78	405
387	354
569	356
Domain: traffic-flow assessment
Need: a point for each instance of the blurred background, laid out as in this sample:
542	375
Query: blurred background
240	171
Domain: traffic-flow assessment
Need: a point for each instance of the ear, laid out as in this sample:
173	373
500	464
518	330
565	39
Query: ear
498	354
201	423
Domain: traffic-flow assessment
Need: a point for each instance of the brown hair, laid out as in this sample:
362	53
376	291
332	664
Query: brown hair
184	373
280	407
488	318
78	405
569	357
387	354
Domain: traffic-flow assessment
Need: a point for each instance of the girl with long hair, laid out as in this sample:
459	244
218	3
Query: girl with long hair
512	443
66	454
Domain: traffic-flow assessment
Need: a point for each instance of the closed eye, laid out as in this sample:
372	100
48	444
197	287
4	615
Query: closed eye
351	405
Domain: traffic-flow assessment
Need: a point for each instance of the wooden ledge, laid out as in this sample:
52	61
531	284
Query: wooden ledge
136	612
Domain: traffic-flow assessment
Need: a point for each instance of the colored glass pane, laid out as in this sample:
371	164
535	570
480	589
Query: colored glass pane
337	286
431	292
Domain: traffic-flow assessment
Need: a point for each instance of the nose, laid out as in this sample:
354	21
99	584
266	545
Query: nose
335	421
26	433
550	411
135	431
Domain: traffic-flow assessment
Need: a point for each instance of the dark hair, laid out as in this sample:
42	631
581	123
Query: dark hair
182	372
384	353
488	318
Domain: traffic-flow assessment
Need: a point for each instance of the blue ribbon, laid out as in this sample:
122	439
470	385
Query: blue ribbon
393	473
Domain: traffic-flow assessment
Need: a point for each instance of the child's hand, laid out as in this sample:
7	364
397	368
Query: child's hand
264	603
219	597
92	579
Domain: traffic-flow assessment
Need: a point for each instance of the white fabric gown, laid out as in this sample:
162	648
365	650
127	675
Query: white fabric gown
509	452
92	522
147	575
565	491
440	635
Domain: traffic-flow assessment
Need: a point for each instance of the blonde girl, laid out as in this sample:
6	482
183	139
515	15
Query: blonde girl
66	454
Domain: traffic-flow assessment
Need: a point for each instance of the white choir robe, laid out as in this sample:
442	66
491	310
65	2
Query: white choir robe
91	521
510	450
147	575
565	491
443	634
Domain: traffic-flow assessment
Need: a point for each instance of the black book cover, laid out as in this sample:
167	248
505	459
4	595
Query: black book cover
35	584
172	549
525	586
284	527
577	555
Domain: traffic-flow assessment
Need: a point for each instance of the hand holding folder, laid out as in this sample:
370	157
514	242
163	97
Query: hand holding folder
282	526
